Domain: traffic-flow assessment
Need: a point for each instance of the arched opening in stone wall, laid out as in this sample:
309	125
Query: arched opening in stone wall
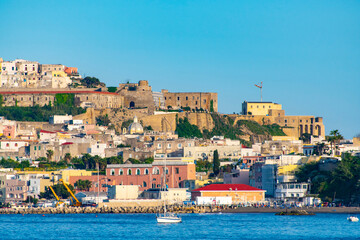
306	129
311	129
318	129
301	129
132	104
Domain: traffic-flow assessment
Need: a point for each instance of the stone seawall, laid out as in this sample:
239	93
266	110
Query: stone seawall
78	210
173	208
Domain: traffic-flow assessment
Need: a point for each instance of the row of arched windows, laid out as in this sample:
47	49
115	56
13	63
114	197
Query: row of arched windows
129	171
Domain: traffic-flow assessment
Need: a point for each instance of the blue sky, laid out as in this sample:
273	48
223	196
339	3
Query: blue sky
307	53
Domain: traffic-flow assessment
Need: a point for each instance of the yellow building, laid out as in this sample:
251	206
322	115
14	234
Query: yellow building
288	169
67	173
259	108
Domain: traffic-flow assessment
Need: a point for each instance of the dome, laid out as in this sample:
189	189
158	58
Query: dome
135	127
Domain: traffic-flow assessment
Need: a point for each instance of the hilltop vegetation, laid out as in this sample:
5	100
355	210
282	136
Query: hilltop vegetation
224	126
64	104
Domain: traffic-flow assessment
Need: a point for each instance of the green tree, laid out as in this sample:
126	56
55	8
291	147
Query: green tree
185	129
306	137
112	89
83	185
67	158
90	82
103	120
211	105
31	199
216	163
59	189
334	139
49	155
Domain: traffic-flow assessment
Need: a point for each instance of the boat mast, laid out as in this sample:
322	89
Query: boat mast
165	172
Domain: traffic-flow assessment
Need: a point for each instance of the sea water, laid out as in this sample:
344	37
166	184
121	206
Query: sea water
194	226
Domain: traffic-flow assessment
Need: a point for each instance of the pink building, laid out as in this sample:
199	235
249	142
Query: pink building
12	189
144	175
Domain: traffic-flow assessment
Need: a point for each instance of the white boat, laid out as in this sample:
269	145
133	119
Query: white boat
168	218
353	219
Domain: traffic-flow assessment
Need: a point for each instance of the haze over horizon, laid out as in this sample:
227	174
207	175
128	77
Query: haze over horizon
307	54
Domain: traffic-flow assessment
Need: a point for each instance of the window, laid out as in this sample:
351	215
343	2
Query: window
34	148
177	170
112	172
178	98
146	171
39	147
169	145
186	98
144	184
137	171
129	172
121	172
166	171
179	145
156	170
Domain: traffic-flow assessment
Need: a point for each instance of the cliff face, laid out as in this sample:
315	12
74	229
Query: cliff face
209	124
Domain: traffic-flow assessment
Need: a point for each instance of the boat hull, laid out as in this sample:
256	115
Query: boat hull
168	220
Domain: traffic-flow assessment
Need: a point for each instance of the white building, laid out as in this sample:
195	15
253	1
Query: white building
230	152
97	149
291	191
60	119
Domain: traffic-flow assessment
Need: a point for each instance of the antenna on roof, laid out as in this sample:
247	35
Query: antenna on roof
260	86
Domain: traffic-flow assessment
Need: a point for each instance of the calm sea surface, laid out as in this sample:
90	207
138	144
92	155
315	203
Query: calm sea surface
194	226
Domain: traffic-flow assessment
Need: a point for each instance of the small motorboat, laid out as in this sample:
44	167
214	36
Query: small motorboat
353	219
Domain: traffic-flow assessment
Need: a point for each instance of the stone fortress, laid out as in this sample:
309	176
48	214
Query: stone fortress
25	83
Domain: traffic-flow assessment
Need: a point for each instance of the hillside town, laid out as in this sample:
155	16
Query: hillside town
66	140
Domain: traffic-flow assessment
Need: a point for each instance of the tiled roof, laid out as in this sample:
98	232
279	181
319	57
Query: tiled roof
227	187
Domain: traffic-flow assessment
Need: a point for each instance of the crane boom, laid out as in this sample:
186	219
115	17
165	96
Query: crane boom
56	196
78	203
58	202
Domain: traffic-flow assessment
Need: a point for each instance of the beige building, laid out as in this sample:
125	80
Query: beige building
137	95
84	98
292	125
194	100
51	67
123	192
259	108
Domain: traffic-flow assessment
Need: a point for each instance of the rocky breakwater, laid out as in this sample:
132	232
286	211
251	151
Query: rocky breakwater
295	213
95	210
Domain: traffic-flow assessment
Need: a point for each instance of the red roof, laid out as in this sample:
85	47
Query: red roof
67	143
227	187
45	131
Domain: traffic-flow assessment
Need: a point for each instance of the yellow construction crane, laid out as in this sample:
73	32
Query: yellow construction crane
58	202
76	202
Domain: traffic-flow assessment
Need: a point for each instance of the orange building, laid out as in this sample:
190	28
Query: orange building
238	192
71	70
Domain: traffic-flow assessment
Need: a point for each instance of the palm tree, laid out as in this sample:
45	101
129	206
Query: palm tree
49	154
334	139
67	158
